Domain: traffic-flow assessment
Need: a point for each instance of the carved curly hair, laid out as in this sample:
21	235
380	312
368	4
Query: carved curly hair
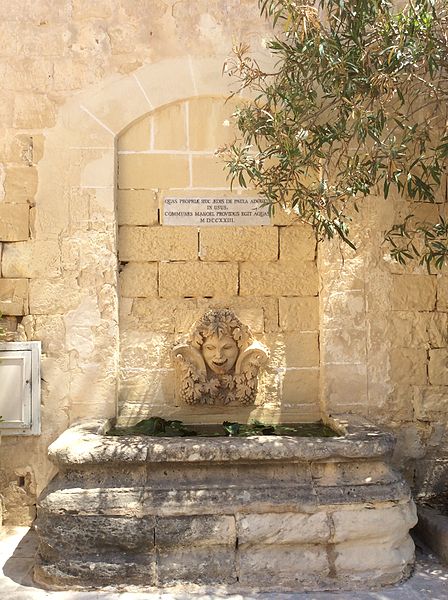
220	322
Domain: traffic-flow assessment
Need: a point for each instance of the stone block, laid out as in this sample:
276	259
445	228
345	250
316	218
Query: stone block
14	222
53	296
32	259
297	349
344	307
157	243
93	571
192	279
299	314
377	557
20	149
437	329
140	351
430	402
139	280
79	535
297	243
344	345
137	137
209	565
299	386
408	365
282	528
20	184
137	207
218	112
407	328
195	531
286	565
344	384
209	172
413	292
33	111
438	366
152	314
442	293
392	522
279	279
13	296
239	243
153	171
170	127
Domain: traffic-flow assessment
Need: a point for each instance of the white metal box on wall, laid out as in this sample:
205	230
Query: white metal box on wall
20	388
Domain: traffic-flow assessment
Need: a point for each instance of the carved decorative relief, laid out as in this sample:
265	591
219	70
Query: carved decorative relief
220	361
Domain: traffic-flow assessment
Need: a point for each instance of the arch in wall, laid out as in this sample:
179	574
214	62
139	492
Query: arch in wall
76	219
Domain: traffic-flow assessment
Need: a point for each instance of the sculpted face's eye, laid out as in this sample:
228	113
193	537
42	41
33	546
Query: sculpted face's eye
209	348
228	347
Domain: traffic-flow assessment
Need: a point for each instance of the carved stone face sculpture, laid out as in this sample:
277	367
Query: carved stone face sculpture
219	362
220	353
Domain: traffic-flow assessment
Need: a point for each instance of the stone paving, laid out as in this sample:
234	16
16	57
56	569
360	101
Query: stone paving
18	546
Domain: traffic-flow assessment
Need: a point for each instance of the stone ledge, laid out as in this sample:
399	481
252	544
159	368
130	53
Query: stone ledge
432	529
86	444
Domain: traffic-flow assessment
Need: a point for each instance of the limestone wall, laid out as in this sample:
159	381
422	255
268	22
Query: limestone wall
170	275
81	84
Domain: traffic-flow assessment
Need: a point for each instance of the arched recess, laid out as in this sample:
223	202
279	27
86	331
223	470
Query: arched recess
75	218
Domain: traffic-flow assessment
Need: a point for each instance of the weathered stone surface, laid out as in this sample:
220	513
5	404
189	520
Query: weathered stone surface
53	296
137	137
195	531
92	572
150	314
376	556
152	171
80	535
157	243
291	566
297	243
299	314
283	528
296	349
219	112
408	365
430	402
209	565
442	293
239	243
343	345
393	522
432	529
13	296
33	259
20	184
196	497
438	366
137	207
14	222
193	279
139	279
413	292
278	279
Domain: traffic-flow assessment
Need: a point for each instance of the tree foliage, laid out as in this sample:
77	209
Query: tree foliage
356	103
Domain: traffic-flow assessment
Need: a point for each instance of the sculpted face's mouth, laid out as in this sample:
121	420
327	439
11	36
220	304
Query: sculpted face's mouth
219	362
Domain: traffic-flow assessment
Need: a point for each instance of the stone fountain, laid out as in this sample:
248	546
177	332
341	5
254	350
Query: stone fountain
265	512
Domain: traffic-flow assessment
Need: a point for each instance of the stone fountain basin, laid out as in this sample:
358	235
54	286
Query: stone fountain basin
268	513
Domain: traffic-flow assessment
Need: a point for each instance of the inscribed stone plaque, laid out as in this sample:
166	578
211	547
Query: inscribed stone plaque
215	211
